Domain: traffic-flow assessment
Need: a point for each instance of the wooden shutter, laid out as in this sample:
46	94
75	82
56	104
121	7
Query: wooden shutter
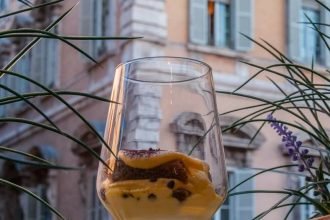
294	29
325	18
242	22
243	205
198	22
98	24
39	61
21	86
111	24
52	62
87	19
219	29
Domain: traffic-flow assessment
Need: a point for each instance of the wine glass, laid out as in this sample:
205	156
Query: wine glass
164	154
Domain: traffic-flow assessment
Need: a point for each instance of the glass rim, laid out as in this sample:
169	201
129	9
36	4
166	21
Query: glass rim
198	62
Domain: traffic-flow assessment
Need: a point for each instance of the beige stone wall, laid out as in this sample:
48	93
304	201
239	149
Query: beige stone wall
164	27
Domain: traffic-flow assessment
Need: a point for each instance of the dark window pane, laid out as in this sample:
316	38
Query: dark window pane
225	214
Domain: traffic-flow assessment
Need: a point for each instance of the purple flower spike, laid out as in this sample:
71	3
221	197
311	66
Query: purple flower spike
295	157
292	144
290	151
301	168
304	152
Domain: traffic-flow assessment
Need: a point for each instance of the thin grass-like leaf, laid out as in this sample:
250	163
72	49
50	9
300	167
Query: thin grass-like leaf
66	37
34	41
30	95
283	122
318	205
55	36
25	2
31	104
31	8
65	103
36	164
20	188
239	121
36	124
259	173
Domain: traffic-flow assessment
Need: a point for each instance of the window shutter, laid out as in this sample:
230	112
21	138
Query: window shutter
198	22
219	27
87	21
99	19
242	22
325	18
111	24
52	63
2	95
243	206
38	61
294	29
21	85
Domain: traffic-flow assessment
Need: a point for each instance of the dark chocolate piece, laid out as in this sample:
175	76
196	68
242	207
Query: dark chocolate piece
126	195
181	194
152	196
171	184
174	169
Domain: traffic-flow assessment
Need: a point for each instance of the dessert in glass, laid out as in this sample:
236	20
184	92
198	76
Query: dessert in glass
164	157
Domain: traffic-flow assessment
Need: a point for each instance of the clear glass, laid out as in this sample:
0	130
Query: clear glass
165	158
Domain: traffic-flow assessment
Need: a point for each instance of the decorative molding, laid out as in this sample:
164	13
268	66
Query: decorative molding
240	138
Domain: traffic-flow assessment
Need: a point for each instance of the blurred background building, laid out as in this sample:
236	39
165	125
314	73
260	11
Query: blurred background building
199	29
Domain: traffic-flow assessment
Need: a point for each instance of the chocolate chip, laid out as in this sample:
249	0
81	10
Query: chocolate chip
181	194
153	179
138	198
171	184
152	196
102	193
126	195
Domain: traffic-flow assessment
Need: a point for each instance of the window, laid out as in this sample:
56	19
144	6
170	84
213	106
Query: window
189	128
311	41
302	212
96	21
87	182
33	209
3	5
238	207
5	50
304	43
45	62
220	23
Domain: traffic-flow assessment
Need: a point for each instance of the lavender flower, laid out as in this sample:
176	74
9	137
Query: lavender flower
292	144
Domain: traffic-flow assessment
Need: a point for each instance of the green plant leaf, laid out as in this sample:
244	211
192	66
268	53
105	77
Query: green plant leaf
66	104
47	127
30	8
20	188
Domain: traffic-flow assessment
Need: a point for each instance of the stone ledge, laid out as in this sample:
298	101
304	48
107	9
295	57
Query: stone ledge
138	14
142	135
150	124
144	112
152	4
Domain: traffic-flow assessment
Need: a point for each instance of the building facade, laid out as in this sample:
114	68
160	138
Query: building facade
210	31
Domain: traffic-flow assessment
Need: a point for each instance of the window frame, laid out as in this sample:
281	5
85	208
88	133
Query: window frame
26	199
233	201
306	32
107	26
3	5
